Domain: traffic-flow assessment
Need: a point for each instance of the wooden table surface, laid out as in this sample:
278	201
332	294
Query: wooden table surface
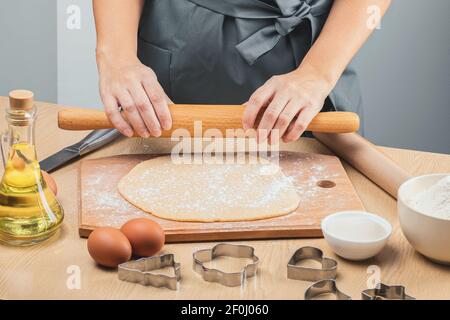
51	270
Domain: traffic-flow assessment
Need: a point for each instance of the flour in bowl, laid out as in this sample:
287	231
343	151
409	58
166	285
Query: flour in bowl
435	200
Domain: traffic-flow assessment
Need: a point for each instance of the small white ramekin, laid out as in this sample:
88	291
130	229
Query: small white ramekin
349	247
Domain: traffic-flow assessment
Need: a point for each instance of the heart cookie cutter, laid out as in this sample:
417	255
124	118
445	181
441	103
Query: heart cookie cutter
229	279
296	272
385	292
140	271
323	287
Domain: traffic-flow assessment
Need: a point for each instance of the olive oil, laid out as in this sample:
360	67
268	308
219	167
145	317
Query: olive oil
29	211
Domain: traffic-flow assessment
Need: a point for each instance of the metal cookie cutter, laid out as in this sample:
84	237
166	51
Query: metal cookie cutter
229	279
328	270
385	292
139	271
323	287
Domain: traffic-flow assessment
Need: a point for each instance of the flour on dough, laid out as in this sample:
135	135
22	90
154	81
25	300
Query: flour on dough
209	192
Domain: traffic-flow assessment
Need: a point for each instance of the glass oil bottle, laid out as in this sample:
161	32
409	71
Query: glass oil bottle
29	211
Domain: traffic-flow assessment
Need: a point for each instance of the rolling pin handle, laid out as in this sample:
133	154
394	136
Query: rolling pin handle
220	117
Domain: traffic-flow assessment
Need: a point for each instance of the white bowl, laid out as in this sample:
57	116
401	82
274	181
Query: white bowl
356	235
427	234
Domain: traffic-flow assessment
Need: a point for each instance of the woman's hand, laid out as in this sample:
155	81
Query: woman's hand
291	100
134	87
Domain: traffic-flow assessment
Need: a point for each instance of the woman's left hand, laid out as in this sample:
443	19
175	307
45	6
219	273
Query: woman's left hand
291	100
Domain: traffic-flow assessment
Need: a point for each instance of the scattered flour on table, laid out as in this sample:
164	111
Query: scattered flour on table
434	201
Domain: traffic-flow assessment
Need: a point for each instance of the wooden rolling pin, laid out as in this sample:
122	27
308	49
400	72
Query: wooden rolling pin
367	159
220	117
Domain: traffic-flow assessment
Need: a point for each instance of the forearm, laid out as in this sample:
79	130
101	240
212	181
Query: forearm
117	23
124	80
343	34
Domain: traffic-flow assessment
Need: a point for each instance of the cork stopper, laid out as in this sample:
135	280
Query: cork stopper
21	100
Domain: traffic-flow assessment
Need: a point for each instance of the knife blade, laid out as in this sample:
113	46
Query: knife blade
93	141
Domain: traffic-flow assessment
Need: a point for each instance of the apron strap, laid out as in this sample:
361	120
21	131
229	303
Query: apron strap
287	16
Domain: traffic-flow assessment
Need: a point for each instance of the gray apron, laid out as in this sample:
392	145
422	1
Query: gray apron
221	51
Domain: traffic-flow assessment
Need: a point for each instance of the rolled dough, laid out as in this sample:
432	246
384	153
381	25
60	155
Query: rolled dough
208	192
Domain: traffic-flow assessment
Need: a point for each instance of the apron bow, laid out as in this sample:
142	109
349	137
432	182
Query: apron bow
287	16
287	23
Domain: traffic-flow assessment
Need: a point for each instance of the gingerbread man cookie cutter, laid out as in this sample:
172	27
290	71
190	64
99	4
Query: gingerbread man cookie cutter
229	279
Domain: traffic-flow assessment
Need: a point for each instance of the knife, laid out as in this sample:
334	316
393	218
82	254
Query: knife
93	141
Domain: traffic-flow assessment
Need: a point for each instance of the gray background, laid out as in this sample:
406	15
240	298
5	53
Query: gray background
404	67
28	47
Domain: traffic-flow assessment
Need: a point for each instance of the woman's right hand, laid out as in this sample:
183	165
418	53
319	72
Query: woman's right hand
129	84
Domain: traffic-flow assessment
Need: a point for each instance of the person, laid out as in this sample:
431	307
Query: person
291	58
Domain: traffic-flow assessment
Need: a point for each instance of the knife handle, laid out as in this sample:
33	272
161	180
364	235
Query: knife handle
97	139
91	142
221	117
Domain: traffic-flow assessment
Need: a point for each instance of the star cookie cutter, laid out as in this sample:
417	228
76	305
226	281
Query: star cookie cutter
140	271
296	272
385	292
229	279
327	286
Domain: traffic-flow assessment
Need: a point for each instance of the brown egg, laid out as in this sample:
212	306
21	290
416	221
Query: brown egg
51	183
109	247
146	236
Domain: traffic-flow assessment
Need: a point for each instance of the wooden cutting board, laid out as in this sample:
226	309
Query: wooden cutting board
321	181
